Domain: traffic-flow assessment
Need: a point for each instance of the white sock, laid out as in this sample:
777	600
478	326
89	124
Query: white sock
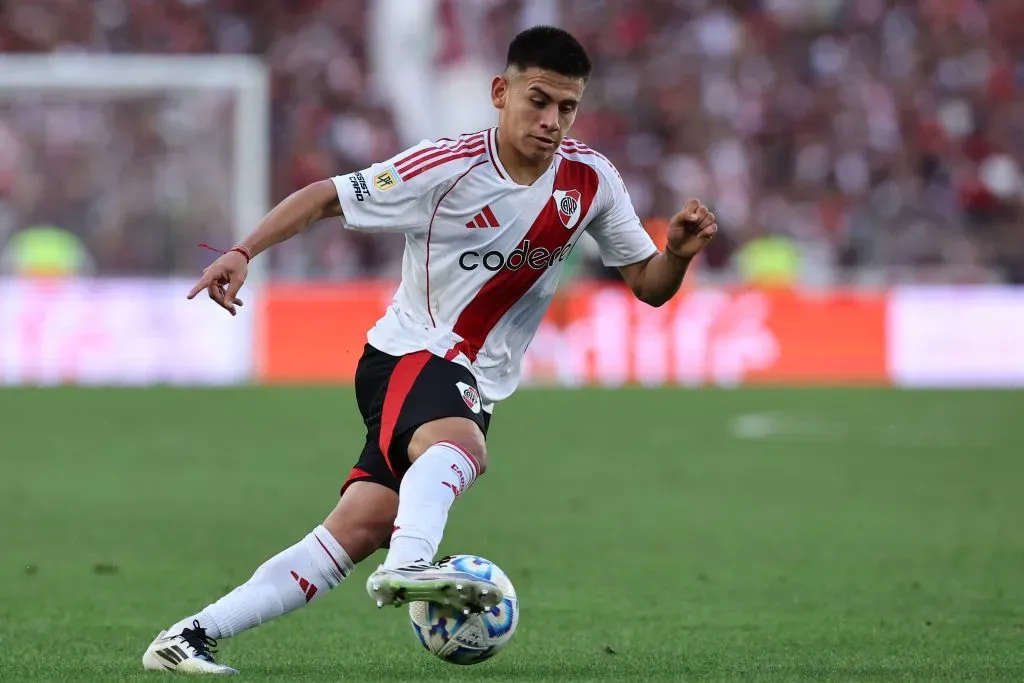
294	577
427	492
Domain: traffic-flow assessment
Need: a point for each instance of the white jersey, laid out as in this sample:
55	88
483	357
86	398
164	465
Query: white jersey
483	253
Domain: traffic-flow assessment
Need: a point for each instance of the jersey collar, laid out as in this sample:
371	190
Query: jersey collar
492	151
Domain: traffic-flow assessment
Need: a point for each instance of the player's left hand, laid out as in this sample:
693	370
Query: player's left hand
691	229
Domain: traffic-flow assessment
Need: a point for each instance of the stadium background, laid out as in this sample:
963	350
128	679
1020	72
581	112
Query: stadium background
865	160
860	156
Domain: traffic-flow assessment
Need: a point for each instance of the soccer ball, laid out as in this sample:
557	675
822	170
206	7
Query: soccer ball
468	638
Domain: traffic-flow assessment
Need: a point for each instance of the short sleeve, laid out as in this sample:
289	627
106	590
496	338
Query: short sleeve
620	236
379	199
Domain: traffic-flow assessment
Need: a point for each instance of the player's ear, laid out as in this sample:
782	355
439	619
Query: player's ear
499	92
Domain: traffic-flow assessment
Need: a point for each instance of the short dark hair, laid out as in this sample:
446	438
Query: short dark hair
551	49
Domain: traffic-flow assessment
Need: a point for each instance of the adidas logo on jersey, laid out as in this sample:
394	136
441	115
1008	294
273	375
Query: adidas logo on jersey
484	219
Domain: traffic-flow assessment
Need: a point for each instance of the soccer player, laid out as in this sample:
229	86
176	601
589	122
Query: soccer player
489	219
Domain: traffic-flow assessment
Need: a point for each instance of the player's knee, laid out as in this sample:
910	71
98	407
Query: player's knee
459	431
476	446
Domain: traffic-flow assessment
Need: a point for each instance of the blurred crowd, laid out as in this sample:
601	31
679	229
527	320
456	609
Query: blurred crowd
871	141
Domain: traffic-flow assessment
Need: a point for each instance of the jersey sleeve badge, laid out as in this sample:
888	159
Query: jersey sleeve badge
385	180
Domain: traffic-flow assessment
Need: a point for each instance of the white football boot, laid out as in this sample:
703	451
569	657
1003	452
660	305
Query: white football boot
436	582
188	652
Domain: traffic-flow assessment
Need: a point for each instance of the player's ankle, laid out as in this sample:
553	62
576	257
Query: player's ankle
408	549
206	622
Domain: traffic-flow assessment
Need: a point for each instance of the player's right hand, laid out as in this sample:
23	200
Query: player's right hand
222	279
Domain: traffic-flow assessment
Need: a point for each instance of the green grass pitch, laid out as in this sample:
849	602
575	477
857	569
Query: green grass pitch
755	535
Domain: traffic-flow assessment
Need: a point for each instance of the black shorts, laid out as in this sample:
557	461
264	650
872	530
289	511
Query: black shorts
397	394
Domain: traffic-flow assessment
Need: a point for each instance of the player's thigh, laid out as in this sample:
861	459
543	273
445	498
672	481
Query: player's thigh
364	517
442	404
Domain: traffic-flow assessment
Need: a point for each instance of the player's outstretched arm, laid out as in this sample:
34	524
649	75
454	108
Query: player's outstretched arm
657	279
225	276
294	214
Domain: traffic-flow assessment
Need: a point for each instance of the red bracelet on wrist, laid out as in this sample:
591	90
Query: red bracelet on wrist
243	251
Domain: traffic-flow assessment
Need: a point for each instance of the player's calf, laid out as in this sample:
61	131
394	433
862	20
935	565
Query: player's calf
363	519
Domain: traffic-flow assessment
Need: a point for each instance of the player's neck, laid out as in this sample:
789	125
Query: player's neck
520	169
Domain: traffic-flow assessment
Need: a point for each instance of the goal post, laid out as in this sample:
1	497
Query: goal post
130	75
141	157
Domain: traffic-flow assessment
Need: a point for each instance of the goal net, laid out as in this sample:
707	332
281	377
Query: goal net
135	160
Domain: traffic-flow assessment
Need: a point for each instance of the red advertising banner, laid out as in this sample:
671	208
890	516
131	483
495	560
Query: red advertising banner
603	335
315	332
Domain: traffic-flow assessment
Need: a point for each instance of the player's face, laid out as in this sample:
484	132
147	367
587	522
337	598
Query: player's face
537	109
